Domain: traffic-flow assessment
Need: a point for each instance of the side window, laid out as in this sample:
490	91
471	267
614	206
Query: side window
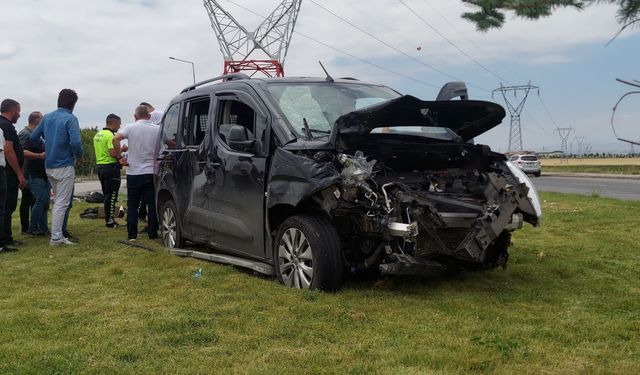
170	127
234	112
197	121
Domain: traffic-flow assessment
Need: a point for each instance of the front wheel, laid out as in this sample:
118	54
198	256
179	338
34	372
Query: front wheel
169	226
307	253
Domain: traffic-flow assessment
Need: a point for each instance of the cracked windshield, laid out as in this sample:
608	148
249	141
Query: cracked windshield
312	109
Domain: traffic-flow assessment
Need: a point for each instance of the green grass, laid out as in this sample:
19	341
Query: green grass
606	169
569	303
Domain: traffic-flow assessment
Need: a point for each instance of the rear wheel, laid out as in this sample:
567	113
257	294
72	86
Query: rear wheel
169	226
307	253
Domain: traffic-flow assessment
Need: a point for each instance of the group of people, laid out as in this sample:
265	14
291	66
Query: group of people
41	158
141	137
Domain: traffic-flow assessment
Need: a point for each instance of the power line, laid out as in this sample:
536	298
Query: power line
536	123
452	43
343	52
368	62
454	27
547	110
391	46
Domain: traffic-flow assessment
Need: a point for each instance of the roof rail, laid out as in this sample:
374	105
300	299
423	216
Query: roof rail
226	77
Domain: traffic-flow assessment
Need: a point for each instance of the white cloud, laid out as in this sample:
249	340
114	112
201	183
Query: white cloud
115	52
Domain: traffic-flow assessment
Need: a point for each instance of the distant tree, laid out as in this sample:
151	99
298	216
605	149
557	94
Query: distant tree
89	164
491	13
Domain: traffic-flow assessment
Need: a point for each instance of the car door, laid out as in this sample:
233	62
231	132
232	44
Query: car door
233	192
195	170
172	168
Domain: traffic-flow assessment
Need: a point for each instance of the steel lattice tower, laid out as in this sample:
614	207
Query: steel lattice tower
515	131
580	142
270	40
564	136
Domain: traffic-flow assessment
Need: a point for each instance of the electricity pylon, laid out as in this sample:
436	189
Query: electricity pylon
270	40
515	131
580	142
564	136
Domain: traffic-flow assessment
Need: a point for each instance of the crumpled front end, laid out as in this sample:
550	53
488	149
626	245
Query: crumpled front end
459	216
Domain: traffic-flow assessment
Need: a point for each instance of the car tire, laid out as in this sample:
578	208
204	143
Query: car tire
307	253
170	229
537	174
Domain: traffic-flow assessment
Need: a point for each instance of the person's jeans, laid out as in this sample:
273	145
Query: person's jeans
3	197
62	181
40	188
109	175
139	186
26	204
10	204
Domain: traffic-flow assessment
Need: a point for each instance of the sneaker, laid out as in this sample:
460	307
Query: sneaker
69	236
132	240
14	243
4	249
112	224
153	236
62	241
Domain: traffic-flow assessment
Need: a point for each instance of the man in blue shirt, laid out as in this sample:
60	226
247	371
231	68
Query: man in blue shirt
61	132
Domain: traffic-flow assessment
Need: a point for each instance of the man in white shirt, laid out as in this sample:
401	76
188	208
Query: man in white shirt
141	136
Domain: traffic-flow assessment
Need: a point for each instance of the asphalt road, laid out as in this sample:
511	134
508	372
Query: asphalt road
628	189
619	188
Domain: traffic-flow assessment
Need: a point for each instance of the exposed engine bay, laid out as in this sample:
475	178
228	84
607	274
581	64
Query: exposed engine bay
457	213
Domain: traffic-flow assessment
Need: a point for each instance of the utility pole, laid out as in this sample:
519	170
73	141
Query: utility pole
580	141
515	131
564	136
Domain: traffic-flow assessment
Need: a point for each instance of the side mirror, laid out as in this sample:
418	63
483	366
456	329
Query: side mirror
238	140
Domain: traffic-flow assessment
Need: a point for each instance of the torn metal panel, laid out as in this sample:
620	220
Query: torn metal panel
294	177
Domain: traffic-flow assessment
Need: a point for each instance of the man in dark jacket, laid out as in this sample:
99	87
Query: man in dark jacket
9	115
27	200
39	185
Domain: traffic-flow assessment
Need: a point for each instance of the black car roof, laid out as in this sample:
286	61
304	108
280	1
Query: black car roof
234	78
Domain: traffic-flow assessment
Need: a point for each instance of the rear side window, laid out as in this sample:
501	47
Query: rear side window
170	127
197	121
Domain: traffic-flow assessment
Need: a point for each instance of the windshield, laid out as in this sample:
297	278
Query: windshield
529	158
313	108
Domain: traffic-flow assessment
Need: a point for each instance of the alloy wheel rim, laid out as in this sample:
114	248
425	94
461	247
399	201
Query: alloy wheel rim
295	259
169	226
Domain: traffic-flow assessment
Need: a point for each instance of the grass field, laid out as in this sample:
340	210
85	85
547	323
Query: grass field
623	166
568	303
589	161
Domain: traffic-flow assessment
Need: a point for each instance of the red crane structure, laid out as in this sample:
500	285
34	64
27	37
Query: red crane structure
263	50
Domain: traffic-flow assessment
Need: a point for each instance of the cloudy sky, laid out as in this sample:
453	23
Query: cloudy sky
114	53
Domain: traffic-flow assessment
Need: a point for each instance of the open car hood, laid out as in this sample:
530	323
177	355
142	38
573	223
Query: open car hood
467	118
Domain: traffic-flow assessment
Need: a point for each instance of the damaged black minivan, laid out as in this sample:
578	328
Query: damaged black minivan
310	178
